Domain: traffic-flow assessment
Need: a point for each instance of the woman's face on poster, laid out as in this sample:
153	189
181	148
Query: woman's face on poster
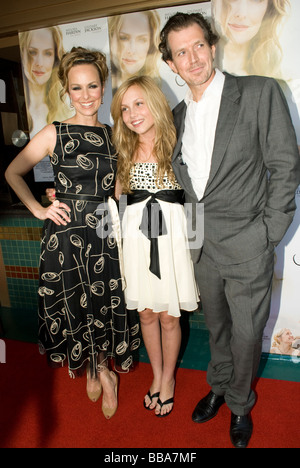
244	19
131	44
287	337
41	56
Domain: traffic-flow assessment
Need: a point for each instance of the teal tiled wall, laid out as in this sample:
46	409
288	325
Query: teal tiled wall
20	244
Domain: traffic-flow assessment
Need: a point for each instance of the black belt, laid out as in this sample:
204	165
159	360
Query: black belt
80	196
153	223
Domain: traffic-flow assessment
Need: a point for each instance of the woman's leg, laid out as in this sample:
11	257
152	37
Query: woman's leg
93	385
152	338
171	340
108	381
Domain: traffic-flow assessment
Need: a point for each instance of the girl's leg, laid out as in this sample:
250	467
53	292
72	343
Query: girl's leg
171	340
150	327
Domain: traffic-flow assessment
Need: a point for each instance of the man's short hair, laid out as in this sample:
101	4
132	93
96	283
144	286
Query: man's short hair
181	21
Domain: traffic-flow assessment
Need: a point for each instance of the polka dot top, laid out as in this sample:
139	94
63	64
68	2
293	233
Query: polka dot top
143	176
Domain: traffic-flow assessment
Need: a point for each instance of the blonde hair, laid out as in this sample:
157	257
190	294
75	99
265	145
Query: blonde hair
277	337
150	67
126	141
79	56
57	110
265	53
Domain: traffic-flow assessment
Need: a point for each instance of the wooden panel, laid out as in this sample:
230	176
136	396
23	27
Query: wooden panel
21	15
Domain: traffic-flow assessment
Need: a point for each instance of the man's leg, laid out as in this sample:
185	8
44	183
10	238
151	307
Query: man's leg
248	289
236	302
218	322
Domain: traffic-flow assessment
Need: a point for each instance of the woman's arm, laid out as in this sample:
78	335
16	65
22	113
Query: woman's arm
39	147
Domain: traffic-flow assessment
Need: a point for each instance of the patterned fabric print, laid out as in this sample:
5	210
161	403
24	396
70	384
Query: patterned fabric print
82	314
143	176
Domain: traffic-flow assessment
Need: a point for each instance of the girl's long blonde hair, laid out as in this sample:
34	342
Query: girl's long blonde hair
126	142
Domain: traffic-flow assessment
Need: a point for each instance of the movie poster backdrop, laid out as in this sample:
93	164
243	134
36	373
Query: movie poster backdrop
259	38
255	38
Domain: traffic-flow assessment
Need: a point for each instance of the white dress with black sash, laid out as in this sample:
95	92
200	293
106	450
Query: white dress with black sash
157	264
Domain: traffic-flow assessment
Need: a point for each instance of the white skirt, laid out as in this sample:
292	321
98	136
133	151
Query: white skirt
177	289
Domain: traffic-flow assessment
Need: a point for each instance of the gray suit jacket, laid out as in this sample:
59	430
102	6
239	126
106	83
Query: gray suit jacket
249	201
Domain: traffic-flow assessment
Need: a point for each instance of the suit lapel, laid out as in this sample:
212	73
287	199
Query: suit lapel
228	115
179	121
181	169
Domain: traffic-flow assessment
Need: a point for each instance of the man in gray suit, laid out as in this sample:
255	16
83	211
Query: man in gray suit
237	154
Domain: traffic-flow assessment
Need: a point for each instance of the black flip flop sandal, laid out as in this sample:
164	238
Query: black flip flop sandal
167	402
155	395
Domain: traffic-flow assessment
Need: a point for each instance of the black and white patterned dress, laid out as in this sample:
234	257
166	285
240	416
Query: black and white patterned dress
82	314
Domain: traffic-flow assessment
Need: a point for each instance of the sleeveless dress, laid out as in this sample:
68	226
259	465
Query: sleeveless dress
82	313
176	288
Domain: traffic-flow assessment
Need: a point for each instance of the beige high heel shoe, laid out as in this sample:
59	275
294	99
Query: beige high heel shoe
109	412
93	396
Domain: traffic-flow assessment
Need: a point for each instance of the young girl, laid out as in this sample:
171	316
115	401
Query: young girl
158	269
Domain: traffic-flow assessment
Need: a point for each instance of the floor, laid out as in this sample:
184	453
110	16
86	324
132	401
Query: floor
21	326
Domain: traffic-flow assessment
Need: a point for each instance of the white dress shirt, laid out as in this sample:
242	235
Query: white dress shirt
199	134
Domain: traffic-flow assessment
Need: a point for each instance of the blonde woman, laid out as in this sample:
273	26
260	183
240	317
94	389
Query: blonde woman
157	265
249	31
41	52
134	40
283	343
83	321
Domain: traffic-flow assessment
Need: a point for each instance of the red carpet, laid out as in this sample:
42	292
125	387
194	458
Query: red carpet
44	408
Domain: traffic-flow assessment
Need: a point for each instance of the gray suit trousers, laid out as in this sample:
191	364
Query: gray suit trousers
236	303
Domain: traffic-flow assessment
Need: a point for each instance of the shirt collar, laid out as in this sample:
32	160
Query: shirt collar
215	88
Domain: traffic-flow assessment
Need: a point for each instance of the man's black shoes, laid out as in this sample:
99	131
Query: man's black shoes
241	428
207	408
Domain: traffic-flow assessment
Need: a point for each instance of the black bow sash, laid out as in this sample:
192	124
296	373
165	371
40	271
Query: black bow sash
153	223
